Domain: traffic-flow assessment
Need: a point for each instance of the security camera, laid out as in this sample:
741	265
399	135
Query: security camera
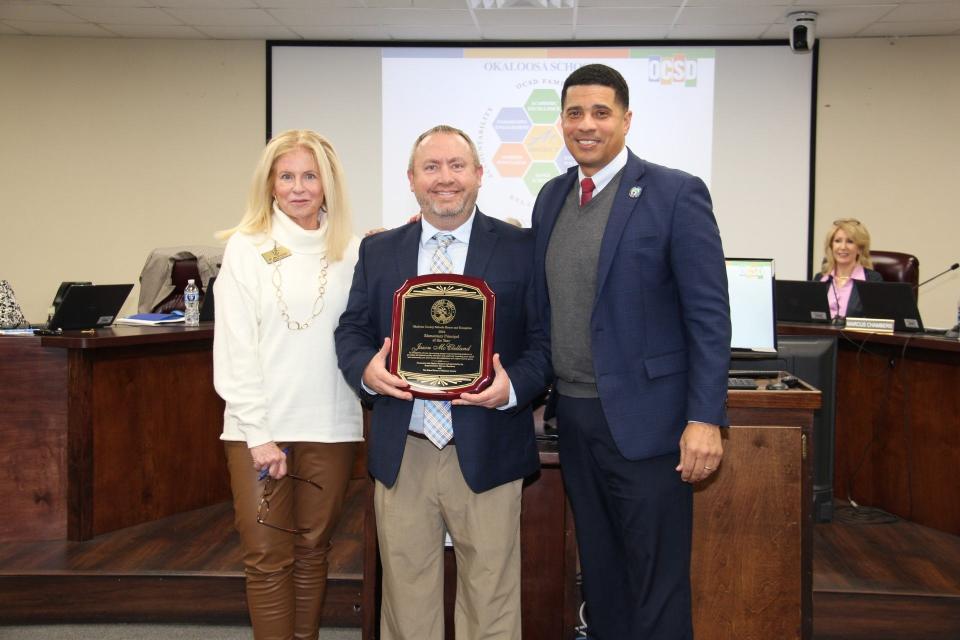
803	30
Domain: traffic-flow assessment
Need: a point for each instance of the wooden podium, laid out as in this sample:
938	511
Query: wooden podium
752	547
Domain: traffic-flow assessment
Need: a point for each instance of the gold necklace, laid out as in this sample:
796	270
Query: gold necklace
318	304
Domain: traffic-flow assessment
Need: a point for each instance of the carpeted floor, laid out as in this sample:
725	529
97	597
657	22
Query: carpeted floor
148	632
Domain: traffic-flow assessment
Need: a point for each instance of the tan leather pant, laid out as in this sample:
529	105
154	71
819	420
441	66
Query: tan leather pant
287	573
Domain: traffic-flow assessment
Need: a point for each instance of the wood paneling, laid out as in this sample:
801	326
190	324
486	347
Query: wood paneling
33	440
156	427
747	567
108	430
898	423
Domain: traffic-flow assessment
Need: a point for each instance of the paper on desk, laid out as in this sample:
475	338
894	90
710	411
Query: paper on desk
151	319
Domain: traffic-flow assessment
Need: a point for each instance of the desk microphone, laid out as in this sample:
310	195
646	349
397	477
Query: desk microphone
953	267
837	320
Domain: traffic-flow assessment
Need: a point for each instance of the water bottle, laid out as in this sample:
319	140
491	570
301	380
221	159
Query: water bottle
191	303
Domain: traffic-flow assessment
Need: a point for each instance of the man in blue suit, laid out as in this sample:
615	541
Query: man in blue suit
470	485
632	288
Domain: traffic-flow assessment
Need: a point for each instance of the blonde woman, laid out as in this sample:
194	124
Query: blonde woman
846	251
291	423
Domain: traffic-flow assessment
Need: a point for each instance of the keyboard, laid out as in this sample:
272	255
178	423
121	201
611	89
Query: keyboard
751	373
741	384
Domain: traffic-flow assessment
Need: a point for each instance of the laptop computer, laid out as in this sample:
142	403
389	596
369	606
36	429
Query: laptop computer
89	306
206	307
802	301
890	300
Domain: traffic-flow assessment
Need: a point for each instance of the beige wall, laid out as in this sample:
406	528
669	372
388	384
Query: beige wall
888	153
109	148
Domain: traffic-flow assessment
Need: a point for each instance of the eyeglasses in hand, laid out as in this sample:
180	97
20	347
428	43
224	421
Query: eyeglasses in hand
263	509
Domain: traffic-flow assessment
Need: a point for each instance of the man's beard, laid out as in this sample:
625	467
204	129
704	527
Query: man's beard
452	210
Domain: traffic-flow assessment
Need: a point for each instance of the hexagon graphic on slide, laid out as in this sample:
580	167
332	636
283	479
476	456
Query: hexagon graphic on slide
543	106
544	143
511	160
511	124
564	159
539	174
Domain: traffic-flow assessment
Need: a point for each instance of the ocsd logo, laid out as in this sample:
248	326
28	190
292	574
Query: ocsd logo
672	70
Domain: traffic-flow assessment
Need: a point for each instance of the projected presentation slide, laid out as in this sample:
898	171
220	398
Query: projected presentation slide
508	101
736	116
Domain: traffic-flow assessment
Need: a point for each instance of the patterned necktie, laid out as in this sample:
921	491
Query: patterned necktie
437	417
586	190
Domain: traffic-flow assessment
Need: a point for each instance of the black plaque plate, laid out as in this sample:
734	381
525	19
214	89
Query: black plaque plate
443	335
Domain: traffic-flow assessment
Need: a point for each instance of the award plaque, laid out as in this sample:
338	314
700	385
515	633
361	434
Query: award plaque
443	335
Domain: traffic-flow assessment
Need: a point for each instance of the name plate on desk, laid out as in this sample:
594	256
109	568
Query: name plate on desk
443	335
870	325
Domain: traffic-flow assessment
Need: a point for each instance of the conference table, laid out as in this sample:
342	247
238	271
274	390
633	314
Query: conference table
897	442
106	429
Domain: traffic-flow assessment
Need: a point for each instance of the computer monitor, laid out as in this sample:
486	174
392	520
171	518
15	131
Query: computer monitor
750	282
802	301
893	300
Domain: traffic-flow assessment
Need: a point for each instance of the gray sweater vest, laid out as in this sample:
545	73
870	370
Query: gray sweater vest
572	256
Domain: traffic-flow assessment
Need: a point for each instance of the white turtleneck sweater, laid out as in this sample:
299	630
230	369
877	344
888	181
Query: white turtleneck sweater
281	385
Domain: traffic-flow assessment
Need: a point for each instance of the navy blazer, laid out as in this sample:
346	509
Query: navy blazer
493	447
660	326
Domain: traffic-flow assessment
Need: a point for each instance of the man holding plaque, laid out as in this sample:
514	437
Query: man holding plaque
632	289
445	465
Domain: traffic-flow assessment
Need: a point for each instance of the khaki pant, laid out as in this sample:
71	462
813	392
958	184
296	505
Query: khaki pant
287	573
429	498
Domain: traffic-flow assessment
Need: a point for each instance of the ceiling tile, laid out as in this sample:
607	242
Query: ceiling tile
326	17
523	16
123	15
729	15
35	13
311	4
316	32
206	4
630	4
264	32
66	29
452	33
427	17
422	4
8	30
621	32
657	16
224	17
179	32
526	32
104	3
932	28
740	3
717	32
924	12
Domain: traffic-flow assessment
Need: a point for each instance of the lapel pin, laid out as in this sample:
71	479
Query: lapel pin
635	192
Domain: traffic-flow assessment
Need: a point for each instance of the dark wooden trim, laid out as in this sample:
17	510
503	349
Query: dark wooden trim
79	446
128	336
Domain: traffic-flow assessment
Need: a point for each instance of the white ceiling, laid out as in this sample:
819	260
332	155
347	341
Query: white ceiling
458	21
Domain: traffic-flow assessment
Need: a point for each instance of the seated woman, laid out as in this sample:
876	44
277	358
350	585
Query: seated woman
846	258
